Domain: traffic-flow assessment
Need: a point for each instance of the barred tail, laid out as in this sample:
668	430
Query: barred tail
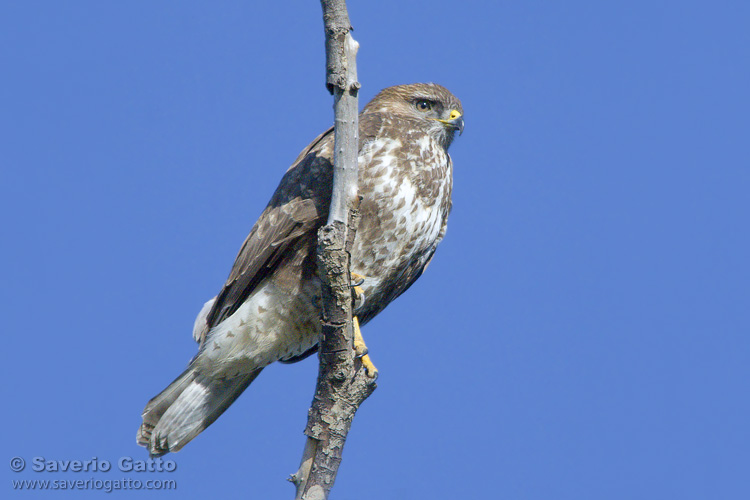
187	406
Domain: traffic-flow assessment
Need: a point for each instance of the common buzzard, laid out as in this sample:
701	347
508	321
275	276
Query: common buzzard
269	308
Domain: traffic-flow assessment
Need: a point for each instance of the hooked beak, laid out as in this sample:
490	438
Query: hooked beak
455	121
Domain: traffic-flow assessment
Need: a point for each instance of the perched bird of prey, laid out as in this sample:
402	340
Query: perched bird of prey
269	308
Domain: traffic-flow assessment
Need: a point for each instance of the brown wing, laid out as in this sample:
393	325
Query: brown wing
299	205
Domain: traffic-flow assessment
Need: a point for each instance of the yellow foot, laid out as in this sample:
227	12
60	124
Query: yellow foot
360	349
370	369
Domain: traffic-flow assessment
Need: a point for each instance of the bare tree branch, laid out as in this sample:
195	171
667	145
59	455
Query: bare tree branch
342	383
341	80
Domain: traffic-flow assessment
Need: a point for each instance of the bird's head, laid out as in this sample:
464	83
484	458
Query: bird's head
431	106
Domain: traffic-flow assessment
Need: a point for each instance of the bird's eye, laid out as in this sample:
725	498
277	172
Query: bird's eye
423	105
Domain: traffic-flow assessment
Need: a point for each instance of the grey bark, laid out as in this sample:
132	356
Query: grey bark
342	383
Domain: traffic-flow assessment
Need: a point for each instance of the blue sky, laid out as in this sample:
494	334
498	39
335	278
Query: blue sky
582	332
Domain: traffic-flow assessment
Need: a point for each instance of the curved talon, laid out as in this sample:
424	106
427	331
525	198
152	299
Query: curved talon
359	298
359	293
360	349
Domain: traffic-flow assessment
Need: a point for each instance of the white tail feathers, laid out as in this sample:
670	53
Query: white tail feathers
190	404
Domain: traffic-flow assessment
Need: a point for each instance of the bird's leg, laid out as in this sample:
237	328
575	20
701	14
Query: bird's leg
358	299
360	348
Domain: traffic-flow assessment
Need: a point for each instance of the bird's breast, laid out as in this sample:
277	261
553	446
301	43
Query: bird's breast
405	191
